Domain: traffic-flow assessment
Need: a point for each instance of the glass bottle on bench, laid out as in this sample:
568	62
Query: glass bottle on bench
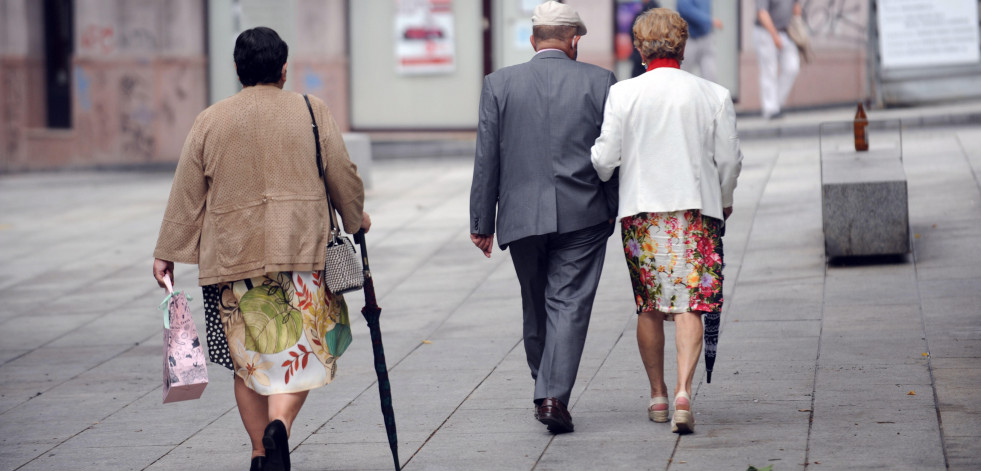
861	129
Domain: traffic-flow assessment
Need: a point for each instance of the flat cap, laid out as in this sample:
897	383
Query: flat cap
553	13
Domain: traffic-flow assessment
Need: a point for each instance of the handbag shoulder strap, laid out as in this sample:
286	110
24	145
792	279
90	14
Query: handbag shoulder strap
320	166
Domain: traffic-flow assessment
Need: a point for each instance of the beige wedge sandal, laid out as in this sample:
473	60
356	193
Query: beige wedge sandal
683	421
655	413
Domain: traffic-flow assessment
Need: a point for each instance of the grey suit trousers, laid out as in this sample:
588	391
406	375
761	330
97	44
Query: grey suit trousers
558	274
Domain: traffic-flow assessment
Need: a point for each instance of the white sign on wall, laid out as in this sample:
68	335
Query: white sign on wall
922	33
424	37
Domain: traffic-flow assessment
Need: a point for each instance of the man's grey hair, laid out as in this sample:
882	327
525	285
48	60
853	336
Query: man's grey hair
559	32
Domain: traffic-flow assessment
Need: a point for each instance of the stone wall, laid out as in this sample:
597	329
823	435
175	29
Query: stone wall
318	57
138	82
21	77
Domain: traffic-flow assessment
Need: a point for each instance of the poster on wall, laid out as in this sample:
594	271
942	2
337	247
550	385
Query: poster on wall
424	37
923	33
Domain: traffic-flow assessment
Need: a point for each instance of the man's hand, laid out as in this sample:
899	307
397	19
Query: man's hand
726	212
365	221
483	242
162	268
766	21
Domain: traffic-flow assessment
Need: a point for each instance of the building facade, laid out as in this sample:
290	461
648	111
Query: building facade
99	82
90	83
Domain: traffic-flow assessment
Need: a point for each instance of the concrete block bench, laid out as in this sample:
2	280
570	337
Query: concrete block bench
359	149
864	203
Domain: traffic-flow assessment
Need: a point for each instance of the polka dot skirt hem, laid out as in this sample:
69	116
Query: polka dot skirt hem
217	342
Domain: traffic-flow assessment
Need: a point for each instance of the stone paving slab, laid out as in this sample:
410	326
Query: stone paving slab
742	445
816	359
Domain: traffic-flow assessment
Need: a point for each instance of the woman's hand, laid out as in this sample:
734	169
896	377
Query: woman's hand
162	268
365	221
726	212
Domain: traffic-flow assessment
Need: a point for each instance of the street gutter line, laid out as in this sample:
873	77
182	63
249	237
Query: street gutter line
586	387
450	314
725	306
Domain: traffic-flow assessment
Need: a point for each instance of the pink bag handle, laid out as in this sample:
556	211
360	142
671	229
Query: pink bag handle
170	286
164	306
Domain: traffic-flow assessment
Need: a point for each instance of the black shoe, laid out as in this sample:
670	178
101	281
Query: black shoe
555	416
277	446
257	463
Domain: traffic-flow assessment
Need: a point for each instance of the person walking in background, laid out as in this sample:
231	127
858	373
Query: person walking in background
777	55
700	50
534	186
248	207
673	137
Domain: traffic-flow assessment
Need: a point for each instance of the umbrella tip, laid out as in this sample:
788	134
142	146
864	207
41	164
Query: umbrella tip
708	376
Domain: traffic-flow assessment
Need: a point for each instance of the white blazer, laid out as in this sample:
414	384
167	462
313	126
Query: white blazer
673	135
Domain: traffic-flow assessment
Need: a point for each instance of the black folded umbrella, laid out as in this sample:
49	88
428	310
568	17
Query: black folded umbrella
372	313
711	337
712	321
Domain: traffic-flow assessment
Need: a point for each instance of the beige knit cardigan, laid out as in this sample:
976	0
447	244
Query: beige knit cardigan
247	199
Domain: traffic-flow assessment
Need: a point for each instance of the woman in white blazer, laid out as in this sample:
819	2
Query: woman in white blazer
673	136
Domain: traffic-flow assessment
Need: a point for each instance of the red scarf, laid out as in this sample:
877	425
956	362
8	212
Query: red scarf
663	63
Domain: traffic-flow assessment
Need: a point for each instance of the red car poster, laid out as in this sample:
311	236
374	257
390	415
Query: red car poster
424	37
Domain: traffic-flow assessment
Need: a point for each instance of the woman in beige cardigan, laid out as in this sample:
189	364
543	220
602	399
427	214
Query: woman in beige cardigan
673	136
248	207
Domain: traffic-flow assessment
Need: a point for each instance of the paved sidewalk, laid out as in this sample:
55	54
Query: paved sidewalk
388	145
871	365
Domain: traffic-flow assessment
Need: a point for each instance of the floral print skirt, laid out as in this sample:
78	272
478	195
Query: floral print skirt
675	261
280	333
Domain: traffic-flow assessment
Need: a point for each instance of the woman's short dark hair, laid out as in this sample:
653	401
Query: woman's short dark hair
259	56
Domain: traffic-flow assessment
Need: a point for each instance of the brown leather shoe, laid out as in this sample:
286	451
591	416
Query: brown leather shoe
555	415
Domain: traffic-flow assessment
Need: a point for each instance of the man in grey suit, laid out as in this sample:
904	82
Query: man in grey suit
532	171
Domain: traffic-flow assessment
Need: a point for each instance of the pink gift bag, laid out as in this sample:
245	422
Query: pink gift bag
185	373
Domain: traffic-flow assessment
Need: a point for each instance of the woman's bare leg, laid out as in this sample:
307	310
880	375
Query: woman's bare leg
688	340
253	408
285	407
650	341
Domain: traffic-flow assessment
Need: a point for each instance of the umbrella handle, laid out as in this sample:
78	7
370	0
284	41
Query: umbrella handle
359	239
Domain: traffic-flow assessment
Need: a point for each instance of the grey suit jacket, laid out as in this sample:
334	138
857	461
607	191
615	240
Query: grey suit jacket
532	169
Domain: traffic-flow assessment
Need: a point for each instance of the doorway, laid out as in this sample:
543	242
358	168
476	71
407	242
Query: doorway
58	49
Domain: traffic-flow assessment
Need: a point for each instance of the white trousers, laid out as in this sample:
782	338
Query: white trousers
778	69
700	55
